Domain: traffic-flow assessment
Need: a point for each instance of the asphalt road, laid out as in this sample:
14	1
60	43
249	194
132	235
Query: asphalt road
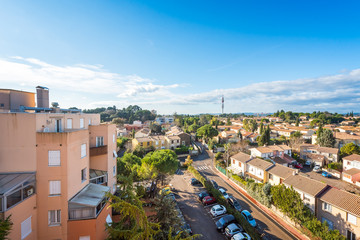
272	230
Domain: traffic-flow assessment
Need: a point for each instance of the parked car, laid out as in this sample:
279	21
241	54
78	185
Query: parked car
224	193
194	182
247	215
326	174
186	228
308	163
298	166
202	195
233	229
208	200
234	203
317	168
223	222
241	236
171	196
217	210
215	185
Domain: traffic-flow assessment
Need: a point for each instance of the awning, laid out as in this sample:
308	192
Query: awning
115	154
91	195
10	181
94	173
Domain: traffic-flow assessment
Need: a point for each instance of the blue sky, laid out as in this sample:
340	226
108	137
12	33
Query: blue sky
183	55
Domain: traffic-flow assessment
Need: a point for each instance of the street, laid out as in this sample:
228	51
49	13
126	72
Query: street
199	220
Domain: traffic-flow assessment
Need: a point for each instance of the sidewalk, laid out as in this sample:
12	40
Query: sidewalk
269	212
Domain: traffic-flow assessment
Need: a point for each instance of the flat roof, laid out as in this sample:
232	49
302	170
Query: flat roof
10	181
91	195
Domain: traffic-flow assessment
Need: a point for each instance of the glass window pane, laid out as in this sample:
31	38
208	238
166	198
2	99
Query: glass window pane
13	198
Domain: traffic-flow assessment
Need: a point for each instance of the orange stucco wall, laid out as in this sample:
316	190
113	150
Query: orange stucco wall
17	142
20	213
95	228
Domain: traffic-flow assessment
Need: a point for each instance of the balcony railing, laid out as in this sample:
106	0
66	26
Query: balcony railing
96	151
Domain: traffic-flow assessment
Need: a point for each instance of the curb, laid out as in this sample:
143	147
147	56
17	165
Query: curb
270	213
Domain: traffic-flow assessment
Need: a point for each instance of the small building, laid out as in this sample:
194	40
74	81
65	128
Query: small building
256	169
341	210
238	163
145	142
278	173
330	154
271	151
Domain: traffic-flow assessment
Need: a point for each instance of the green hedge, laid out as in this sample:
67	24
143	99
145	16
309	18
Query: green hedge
221	200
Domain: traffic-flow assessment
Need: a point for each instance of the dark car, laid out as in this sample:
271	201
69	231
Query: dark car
194	182
223	222
202	195
234	203
208	200
215	185
233	229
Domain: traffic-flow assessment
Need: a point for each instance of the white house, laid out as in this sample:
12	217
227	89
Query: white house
256	169
238	163
271	151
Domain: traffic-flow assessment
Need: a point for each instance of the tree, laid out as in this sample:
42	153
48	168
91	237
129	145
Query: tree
261	128
207	131
348	149
128	164
319	131
139	151
326	139
155	128
297	122
5	227
157	165
228	122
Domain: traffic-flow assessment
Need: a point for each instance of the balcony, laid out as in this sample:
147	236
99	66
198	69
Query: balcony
96	151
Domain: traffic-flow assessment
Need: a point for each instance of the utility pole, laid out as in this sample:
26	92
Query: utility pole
222	104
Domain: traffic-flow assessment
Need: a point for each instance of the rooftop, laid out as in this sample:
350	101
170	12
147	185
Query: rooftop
241	157
11	181
353	157
259	163
305	184
91	195
281	171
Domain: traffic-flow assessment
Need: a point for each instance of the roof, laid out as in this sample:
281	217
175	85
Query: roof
94	173
341	199
305	184
158	137
272	148
344	136
173	137
280	160
281	171
326	149
10	181
143	139
91	195
259	163
352	171
241	157
353	157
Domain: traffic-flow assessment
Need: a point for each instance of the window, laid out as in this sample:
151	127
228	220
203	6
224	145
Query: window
351	218
26	228
99	141
239	164
1	105
54	187
69	123
233	161
327	207
115	154
83	175
54	158
306	197
114	187
114	139
81	123
350	235
83	150
89	121
84	238
162	142
271	176
330	223
114	171
183	143
157	142
54	217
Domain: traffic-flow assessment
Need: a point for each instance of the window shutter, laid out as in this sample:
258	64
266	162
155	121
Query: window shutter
81	123
55	187
69	123
26	228
83	150
54	158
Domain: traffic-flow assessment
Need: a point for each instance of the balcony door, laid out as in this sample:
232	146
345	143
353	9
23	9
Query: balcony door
58	125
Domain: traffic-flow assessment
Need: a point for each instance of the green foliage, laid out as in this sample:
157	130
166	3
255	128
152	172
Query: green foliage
128	165
250	124
260	192
182	149
139	151
348	149
296	134
219	156
265	137
326	138
207	131
5	227
188	161
335	165
155	128
121	141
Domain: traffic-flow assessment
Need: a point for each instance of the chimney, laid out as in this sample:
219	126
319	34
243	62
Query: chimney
42	96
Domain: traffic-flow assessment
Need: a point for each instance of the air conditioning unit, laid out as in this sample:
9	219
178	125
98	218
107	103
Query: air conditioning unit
30	191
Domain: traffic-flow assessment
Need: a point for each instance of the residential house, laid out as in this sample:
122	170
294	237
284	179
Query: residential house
159	142
238	163
351	169
145	142
341	210
278	173
344	138
256	169
47	157
173	142
330	154
163	120
309	189
271	151
185	138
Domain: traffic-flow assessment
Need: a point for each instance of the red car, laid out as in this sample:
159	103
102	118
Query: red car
298	166
208	200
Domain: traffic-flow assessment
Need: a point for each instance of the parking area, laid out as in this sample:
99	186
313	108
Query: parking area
195	213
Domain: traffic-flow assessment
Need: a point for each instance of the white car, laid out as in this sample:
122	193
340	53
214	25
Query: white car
224	193
241	236
317	168
217	210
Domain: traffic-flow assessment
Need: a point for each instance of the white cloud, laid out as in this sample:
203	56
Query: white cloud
90	86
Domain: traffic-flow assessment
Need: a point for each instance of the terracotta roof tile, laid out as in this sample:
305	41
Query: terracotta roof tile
241	157
305	184
281	171
353	157
259	163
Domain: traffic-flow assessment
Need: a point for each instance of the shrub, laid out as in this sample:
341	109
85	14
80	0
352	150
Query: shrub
219	155
182	149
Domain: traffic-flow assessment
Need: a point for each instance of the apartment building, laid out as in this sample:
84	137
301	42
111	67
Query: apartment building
56	167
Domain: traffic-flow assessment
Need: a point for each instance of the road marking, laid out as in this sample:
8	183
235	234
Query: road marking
202	167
